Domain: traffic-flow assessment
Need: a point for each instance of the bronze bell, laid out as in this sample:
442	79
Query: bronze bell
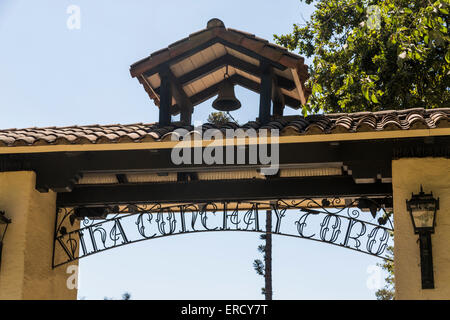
226	100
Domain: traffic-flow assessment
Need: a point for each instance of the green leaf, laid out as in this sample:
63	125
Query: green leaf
348	80
365	91
317	88
304	111
374	98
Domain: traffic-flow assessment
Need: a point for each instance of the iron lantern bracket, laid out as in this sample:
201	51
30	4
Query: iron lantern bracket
3	221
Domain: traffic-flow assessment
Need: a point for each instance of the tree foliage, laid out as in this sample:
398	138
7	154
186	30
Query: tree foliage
388	291
375	54
125	296
218	118
258	265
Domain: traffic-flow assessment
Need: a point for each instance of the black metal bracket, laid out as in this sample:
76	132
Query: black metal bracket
426	260
4	222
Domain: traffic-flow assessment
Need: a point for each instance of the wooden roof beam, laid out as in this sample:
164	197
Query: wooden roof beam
265	96
256	87
228	190
208	44
299	86
278	99
242	81
165	100
235	62
181	98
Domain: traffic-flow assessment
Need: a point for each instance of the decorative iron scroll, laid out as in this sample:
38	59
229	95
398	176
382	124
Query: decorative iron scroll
329	220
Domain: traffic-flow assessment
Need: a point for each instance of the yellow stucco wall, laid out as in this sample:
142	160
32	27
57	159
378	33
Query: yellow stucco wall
407	176
26	270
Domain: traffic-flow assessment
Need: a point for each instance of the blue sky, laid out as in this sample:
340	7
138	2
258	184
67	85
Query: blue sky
53	76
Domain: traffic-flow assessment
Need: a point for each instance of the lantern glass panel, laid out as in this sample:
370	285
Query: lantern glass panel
423	215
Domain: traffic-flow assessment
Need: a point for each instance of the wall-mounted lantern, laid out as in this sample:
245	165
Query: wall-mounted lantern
422	207
4	222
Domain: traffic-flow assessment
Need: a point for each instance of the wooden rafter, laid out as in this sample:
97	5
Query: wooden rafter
235	62
208	44
242	81
231	190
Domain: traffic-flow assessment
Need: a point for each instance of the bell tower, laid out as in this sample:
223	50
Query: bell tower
211	62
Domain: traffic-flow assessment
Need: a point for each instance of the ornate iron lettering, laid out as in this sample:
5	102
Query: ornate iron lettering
329	220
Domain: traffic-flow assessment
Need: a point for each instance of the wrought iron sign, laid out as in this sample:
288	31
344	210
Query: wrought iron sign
81	232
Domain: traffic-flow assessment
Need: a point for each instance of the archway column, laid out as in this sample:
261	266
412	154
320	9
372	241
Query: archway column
26	267
408	175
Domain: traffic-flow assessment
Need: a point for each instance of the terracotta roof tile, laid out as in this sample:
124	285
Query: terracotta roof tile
126	139
149	137
292	125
